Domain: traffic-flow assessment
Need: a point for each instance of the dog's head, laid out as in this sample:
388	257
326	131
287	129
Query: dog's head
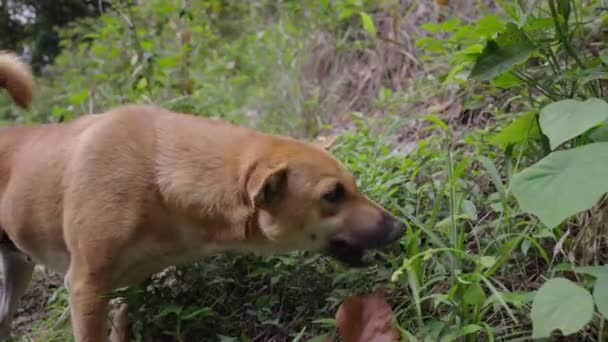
306	200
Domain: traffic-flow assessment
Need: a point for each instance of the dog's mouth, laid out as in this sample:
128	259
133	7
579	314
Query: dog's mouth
346	252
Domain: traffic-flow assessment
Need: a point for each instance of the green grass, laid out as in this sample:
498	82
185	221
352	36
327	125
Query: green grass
471	262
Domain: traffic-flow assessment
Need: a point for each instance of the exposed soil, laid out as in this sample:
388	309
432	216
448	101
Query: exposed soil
33	305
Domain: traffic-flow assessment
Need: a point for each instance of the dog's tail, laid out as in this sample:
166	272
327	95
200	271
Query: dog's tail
16	78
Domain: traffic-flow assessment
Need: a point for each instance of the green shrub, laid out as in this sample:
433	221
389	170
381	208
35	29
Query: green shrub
492	208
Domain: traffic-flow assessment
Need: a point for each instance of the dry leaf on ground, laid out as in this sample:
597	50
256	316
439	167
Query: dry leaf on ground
366	319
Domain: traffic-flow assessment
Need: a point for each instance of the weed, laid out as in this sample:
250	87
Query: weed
498	181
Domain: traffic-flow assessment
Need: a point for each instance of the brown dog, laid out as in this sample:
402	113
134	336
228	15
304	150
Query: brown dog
110	199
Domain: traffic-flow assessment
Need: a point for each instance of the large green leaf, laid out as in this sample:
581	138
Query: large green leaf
507	80
560	304
599	134
584	76
567	119
511	47
595	271
563	183
600	294
521	129
600	289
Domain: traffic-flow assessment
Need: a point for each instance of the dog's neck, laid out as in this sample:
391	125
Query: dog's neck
217	163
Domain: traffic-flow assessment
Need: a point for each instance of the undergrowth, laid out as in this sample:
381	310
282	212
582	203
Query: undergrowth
439	120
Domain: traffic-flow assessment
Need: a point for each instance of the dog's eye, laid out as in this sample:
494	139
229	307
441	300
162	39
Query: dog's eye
336	195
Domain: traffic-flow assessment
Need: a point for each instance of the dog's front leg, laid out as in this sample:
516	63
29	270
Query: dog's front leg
120	324
89	306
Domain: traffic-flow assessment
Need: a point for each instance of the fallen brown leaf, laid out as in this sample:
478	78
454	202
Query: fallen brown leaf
366	319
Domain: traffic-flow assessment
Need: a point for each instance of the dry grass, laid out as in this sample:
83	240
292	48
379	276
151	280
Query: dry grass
350	79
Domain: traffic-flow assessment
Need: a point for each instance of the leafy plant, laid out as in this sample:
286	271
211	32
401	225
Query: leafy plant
505	118
565	85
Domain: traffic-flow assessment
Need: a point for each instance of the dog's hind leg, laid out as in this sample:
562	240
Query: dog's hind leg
16	271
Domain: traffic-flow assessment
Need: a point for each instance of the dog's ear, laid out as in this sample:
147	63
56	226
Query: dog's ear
326	142
267	185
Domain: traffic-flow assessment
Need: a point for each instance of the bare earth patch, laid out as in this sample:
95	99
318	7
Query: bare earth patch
33	305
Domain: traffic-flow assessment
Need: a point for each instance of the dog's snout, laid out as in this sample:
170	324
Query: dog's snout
349	245
393	226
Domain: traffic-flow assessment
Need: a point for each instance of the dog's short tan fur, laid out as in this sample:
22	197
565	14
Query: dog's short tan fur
109	199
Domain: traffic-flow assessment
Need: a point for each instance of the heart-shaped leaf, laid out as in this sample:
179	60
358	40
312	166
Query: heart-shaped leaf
511	47
600	289
560	304
596	271
366	318
521	129
474	295
600	295
563	183
563	120
600	134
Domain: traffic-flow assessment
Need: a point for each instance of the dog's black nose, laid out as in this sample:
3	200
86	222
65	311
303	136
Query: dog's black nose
394	228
